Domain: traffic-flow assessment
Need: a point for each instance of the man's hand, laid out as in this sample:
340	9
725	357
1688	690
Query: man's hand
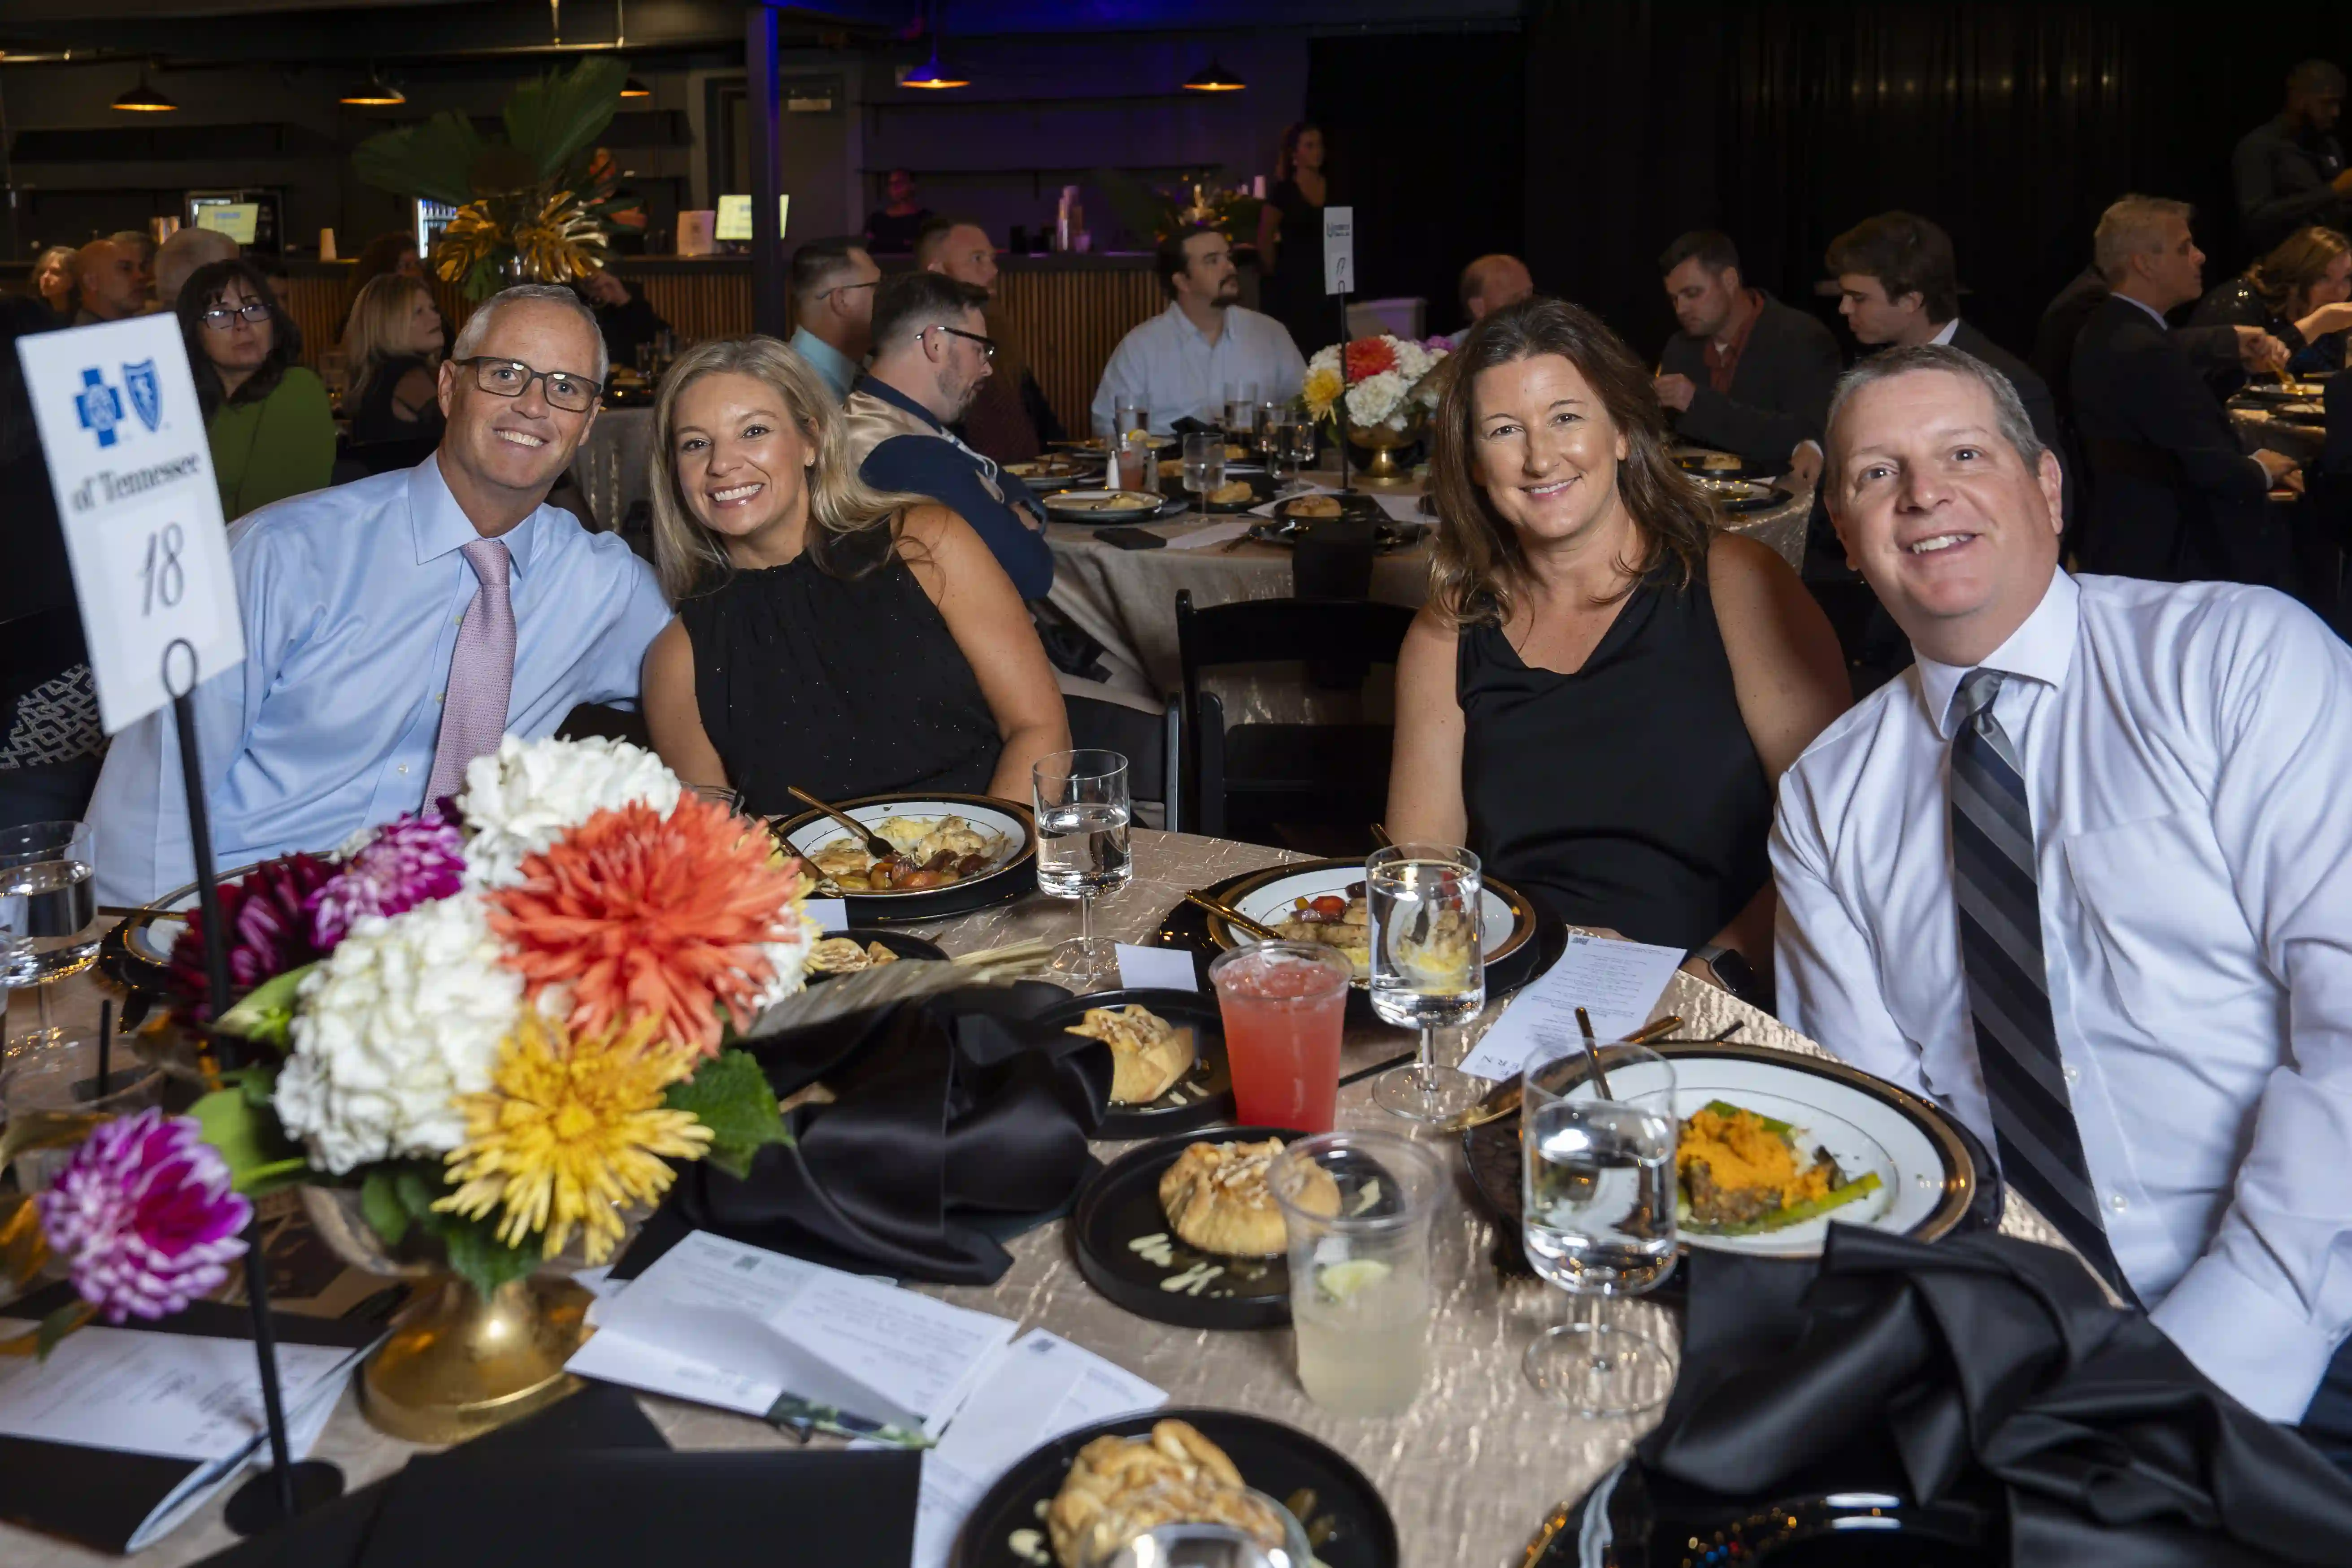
2281	470
1675	390
1805	465
2258	351
606	289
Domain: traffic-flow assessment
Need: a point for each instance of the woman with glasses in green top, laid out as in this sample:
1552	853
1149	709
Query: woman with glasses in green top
272	431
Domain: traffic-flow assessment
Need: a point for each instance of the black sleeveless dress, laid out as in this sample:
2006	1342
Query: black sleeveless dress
846	687
1628	794
373	419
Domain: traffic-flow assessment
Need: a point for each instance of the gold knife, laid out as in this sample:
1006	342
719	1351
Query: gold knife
1502	1100
1233	917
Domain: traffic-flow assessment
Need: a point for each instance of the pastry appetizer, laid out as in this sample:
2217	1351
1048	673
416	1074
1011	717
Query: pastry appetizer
1148	1053
1119	1486
1216	1198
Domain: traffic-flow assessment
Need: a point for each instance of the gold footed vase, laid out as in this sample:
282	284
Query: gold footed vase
1381	471
457	1363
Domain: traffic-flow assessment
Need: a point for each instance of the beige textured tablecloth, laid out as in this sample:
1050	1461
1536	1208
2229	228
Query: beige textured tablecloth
1469	1472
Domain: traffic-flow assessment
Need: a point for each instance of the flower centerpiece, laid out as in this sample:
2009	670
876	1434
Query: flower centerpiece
1390	386
488	1035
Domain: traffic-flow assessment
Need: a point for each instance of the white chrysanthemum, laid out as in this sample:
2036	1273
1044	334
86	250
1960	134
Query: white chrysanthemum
1326	358
1376	398
405	1015
528	793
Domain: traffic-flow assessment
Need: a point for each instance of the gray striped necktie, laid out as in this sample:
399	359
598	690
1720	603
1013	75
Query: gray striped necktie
2009	989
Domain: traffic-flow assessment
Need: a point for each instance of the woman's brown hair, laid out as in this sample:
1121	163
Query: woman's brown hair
2299	261
1478	559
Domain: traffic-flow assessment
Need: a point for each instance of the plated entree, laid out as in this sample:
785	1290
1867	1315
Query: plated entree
1743	1173
931	852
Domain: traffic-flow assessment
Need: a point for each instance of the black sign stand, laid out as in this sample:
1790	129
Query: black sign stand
286	1489
1340	407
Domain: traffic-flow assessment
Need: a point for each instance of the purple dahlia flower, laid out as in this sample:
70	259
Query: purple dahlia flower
268	929
411	860
144	1217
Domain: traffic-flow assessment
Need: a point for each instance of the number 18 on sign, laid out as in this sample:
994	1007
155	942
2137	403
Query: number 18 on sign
134	478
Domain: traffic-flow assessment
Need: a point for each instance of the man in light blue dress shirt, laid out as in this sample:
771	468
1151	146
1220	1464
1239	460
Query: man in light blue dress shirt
1179	363
353	598
2100	833
834	282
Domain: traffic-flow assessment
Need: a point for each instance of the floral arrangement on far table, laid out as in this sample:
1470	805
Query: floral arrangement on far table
506	1027
1389	382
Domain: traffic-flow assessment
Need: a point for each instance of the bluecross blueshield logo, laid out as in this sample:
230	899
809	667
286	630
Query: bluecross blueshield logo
146	392
100	406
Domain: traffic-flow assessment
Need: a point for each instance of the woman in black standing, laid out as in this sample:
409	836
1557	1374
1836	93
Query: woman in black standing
1603	689
1290	241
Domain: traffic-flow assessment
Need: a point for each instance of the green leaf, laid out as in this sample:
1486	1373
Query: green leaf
477	1256
261	1157
266	1015
417	1187
564	112
433	159
731	1096
379	1202
57	1325
257	1082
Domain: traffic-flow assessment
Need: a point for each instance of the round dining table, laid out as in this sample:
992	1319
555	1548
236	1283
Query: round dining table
1469	1472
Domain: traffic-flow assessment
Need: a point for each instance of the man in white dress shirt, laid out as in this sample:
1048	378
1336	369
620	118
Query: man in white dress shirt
1179	363
2084	875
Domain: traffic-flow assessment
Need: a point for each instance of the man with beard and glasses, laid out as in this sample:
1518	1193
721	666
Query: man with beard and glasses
399	626
932	352
1178	363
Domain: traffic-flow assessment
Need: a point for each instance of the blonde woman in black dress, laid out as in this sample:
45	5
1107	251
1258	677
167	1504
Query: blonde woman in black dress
829	634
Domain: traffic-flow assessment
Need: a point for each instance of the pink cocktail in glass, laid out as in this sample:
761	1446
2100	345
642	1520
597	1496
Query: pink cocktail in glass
1285	1004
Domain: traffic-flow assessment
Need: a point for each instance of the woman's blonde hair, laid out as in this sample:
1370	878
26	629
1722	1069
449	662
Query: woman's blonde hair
378	327
1477	559
845	511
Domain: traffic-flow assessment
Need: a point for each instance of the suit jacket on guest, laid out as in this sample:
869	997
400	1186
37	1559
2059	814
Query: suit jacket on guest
2214	346
1780	392
2174	496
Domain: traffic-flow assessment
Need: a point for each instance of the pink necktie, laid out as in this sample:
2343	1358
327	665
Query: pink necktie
481	674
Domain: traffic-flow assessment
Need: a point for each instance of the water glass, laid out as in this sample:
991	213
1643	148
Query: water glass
1083	814
1284	1008
1303	443
1360	1299
1130	413
1277	442
1205	465
1241	411
1429	970
1598	1217
1183	1544
49	915
645	350
1135	472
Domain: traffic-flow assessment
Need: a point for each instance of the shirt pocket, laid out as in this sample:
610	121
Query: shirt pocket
2154	907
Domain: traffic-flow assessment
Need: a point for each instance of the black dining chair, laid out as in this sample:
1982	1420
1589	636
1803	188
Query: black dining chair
1149	734
1254	776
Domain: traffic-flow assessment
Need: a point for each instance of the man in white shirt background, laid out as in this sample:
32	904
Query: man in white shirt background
1178	364
2081	876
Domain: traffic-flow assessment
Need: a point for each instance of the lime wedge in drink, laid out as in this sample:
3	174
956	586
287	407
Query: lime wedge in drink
1340	1280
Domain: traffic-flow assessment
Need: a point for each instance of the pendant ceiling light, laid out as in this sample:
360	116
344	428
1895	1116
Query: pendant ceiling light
375	90
632	87
143	100
931	75
1215	78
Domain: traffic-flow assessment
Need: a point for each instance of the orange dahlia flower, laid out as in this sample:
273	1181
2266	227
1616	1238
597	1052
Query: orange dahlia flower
1367	357
643	916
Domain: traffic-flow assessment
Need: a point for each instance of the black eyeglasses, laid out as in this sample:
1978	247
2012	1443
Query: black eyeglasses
987	344
845	288
512	378
220	317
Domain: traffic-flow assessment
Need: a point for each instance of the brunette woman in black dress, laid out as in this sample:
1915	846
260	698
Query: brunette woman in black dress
829	634
1290	241
1602	691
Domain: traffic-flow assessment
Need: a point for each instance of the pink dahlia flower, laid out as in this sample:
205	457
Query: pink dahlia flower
268	929
411	860
144	1217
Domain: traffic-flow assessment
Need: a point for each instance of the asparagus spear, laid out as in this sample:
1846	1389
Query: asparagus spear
1797	1214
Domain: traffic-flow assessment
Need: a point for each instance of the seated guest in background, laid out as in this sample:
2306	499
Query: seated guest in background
1009	420
2289	171
2174	497
397	627
1746	372
625	317
392	252
892	228
833	301
108	283
1603	687
1491	282
2215	350
178	257
272	430
1177	364
931	351
394	342
53	282
140	246
2297	294
2122	963
832	635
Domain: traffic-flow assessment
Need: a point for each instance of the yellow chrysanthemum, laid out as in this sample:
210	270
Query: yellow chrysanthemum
1321	391
571	1130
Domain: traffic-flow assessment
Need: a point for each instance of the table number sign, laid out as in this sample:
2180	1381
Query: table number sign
1338	251
132	472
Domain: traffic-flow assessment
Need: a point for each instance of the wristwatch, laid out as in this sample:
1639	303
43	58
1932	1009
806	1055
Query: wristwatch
1734	974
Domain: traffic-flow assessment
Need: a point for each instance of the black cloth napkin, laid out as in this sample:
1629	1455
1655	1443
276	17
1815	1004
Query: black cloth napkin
1987	1356
950	1116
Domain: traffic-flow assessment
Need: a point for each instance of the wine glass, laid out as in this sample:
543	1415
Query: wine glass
1277	442
1083	811
1205	465
1429	970
1302	444
48	915
1598	1217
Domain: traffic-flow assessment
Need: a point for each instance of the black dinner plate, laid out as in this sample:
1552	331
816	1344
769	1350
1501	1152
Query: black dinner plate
1262	488
1001	884
1688	460
906	944
1120	1205
2271	392
1353	503
1759	495
1386	536
1346	1518
1059	507
1201	1097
